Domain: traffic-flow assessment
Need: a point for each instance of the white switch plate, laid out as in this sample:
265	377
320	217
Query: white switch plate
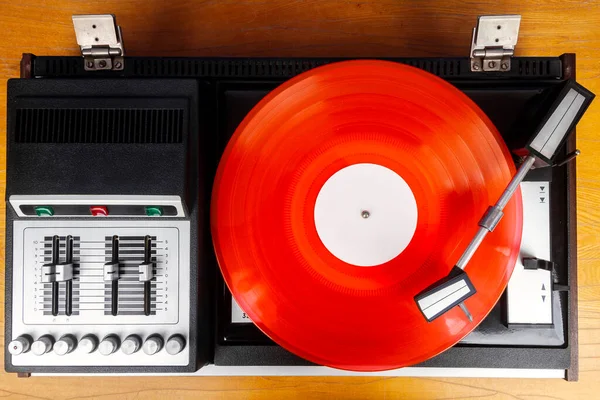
238	316
529	292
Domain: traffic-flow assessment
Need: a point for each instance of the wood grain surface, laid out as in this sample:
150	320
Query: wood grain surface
328	28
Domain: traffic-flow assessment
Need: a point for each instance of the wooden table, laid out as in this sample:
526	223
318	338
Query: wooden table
330	28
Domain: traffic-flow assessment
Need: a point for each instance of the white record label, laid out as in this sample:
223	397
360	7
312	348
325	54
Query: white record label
366	214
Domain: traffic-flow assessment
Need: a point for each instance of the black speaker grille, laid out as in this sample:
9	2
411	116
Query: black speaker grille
191	67
267	68
98	125
528	67
439	67
284	68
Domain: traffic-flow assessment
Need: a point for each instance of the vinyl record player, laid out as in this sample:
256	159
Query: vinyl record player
110	168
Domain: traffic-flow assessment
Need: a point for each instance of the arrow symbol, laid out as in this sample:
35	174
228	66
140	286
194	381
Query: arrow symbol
543	287
542	199
542	188
543	299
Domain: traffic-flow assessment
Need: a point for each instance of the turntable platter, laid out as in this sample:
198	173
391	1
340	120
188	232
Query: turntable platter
347	191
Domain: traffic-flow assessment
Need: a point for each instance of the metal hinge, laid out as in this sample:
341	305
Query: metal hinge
100	40
493	43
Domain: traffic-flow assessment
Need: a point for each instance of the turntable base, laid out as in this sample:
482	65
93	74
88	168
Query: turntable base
377	21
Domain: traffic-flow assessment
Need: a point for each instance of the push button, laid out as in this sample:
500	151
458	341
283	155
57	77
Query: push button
153	211
44	211
99	211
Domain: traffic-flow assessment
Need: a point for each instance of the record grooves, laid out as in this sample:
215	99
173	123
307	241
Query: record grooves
332	134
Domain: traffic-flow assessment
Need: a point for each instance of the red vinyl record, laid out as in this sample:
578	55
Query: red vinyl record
346	192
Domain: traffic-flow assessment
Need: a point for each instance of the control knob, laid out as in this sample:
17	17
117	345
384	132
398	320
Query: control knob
131	344
43	345
109	345
88	343
20	345
175	344
153	345
65	345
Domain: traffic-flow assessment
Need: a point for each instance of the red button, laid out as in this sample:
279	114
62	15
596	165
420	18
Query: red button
99	211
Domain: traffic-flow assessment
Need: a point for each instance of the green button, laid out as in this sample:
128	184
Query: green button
44	211
154	211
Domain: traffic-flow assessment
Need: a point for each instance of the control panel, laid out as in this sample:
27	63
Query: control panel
103	213
97	206
107	293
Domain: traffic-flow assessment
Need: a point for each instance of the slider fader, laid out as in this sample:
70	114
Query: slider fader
103	215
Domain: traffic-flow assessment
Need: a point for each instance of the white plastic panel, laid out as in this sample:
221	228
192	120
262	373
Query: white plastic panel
91	297
17	201
529	292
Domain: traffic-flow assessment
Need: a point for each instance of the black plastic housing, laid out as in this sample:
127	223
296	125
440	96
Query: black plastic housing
230	87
